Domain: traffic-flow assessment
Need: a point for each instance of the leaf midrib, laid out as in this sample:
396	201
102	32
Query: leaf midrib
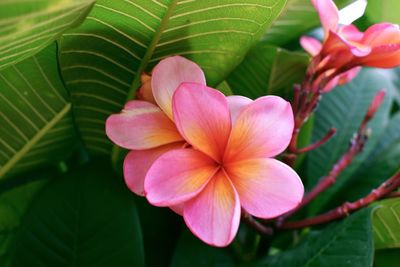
34	140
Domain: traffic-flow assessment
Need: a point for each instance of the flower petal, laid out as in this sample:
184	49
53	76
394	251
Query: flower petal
138	162
236	104
145	91
177	176
214	215
382	34
342	78
267	187
202	117
263	129
311	45
168	75
351	33
328	14
385	56
178	208
141	125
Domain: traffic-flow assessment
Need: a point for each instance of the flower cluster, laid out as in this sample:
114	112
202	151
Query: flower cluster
205	155
345	48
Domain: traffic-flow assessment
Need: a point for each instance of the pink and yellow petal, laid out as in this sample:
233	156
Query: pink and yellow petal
267	187
168	75
214	215
263	129
328	14
141	125
202	117
138	162
178	175
382	34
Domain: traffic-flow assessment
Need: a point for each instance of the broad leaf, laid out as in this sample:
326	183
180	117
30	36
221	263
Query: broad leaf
387	258
346	243
102	60
344	108
35	121
386	224
268	70
26	27
298	17
190	251
383	11
13	204
87	218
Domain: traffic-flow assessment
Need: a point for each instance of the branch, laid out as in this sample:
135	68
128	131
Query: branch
383	190
259	227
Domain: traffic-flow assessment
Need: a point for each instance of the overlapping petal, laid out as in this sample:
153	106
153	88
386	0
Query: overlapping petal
267	188
236	104
141	125
214	215
177	176
138	162
202	117
263	129
168	75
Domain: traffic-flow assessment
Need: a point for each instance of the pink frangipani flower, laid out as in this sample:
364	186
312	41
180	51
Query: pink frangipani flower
218	158
345	48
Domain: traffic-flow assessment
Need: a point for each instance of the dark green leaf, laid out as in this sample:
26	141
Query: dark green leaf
26	27
192	252
387	258
268	70
386	224
344	108
346	243
13	204
87	218
35	120
102	60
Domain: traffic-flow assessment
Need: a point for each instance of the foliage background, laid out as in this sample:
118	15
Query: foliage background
65	65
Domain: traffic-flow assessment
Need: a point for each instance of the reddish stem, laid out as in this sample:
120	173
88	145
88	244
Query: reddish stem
322	141
259	227
384	189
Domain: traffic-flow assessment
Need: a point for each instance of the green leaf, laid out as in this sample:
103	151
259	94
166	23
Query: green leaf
386	224
190	251
26	27
13	204
346	243
344	108
298	17
87	218
387	258
35	121
383	11
102	60
268	70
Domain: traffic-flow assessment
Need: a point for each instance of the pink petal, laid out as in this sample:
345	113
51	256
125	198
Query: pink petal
177	176
341	79
267	188
138	162
178	208
311	45
214	215
263	129
236	104
141	125
202	117
351	33
385	56
168	75
328	14
382	34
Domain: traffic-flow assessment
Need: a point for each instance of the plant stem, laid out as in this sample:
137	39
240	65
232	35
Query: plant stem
345	209
258	226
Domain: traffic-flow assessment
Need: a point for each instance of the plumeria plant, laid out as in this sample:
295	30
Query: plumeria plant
199	133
